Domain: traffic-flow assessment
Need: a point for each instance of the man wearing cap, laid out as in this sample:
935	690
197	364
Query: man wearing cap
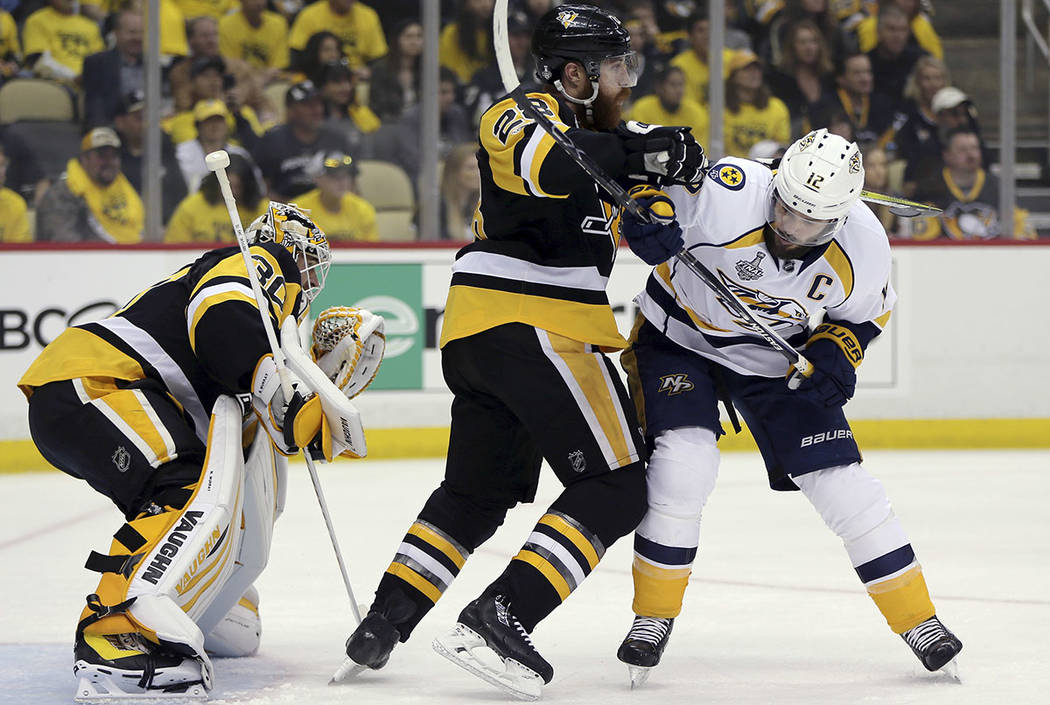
57	40
289	155
93	201
210	118
210	81
109	75
951	109
130	126
341	214
752	113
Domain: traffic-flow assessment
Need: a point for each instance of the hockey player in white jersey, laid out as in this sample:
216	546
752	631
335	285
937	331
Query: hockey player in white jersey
797	246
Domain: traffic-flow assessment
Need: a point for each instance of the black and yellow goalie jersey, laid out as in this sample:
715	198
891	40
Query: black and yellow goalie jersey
195	335
544	237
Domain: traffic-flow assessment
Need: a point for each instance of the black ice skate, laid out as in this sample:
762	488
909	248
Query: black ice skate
368	647
488	622
129	666
643	646
934	645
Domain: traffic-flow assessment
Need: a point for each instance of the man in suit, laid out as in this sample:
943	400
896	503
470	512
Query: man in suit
110	75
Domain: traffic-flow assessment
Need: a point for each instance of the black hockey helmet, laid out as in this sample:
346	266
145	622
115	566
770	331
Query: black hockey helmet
582	33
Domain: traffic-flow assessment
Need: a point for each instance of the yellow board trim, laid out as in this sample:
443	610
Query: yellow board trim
898	434
439	542
549	571
415	580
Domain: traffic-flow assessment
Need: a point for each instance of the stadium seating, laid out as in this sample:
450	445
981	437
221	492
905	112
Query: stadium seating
387	188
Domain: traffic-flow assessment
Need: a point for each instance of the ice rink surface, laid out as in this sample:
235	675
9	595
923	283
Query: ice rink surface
773	613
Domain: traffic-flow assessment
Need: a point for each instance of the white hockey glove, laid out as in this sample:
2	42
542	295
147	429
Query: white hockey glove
273	410
348	347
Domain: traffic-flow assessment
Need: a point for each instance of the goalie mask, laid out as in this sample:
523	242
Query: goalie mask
819	179
292	228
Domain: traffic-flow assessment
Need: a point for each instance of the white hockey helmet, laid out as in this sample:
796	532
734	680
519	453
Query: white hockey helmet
819	179
291	227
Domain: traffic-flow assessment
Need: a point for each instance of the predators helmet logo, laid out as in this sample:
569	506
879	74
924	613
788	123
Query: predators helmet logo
854	163
806	141
567	17
729	176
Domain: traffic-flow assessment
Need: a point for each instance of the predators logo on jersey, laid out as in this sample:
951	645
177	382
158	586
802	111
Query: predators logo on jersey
728	175
778	310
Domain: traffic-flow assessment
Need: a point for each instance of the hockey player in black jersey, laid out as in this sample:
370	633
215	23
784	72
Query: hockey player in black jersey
526	326
143	406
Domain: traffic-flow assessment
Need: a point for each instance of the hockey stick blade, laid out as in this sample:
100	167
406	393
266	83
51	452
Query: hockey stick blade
901	207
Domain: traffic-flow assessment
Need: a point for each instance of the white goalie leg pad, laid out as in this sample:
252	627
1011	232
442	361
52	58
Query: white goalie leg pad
680	476
263	498
854	505
180	576
239	631
342	417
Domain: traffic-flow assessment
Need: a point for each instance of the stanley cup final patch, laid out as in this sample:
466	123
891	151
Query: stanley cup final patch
728	175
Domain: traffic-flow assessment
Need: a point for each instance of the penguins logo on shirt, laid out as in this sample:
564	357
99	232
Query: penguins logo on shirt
729	176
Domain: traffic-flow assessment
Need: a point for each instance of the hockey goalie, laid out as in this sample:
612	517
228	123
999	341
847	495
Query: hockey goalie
173	408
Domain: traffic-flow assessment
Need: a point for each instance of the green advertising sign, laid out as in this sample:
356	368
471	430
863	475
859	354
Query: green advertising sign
395	292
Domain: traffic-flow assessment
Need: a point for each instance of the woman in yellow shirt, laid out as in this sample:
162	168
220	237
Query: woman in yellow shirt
342	215
202	217
14	220
752	114
466	44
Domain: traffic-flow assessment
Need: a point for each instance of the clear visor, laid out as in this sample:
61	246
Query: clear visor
620	71
797	228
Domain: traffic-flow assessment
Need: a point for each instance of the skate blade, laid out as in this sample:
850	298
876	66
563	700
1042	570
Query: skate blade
517	680
950	671
99	688
639	675
347	671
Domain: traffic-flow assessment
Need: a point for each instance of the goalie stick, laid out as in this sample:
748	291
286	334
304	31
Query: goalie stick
501	45
217	162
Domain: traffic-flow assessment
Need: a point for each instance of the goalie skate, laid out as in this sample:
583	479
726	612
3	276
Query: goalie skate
491	643
126	667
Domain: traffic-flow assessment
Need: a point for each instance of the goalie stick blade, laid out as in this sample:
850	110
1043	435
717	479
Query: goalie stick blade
347	671
458	645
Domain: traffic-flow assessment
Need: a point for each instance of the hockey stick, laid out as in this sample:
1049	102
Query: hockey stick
501	45
901	207
217	163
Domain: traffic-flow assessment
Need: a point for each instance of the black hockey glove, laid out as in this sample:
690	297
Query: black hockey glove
654	242
662	155
835	354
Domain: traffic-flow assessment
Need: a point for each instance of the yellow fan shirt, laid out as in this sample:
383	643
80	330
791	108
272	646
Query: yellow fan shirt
689	114
355	221
116	208
14	218
750	125
925	34
359	30
452	57
196	220
8	35
183	128
69	38
698	74
213	8
172	24
263	47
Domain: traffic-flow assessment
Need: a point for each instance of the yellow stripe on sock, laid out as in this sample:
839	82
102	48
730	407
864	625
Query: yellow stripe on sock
573	534
439	542
904	600
658	592
414	579
549	572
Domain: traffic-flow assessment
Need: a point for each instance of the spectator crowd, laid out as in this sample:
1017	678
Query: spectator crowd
305	96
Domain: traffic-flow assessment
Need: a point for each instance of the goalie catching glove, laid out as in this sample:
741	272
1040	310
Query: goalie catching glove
657	241
348	347
662	155
834	354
